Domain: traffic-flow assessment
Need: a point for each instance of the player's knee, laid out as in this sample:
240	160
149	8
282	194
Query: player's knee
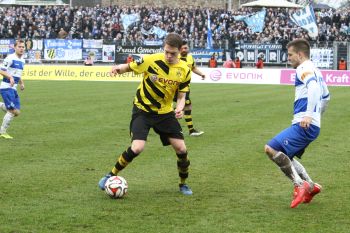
15	112
181	150
269	151
129	155
137	149
137	146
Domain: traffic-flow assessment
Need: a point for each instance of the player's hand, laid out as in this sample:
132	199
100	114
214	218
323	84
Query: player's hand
22	87
305	122
203	76
179	113
115	70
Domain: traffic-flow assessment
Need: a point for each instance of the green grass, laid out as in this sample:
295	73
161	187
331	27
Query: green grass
70	134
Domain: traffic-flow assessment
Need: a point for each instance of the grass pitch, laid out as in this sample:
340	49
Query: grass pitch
70	134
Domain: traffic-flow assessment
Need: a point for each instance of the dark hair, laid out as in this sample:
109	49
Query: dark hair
184	42
173	40
300	45
20	41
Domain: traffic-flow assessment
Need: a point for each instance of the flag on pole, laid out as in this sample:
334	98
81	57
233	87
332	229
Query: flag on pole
209	36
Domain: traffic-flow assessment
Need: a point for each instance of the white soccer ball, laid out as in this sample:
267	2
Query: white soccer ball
116	187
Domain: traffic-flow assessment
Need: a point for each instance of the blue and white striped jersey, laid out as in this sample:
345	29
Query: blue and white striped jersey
305	73
14	66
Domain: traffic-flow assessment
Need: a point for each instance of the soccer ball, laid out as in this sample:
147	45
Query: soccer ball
116	187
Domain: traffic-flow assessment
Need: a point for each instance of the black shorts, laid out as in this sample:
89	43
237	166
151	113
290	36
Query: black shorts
188	100
166	125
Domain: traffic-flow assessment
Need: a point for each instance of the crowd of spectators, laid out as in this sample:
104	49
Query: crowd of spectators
97	22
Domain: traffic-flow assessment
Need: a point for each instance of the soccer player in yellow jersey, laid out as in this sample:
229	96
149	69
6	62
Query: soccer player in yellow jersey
163	74
185	56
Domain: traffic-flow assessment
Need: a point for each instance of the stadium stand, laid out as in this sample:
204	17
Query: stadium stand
106	23
146	25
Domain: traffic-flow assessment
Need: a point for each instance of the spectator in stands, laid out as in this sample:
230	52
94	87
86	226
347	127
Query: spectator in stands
106	23
129	59
212	62
62	34
229	64
88	61
260	63
342	64
238	63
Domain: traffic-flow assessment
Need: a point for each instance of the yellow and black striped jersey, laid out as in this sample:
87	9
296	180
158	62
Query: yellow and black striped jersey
189	60
160	82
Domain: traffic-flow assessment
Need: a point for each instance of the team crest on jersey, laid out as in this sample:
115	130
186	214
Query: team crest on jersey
178	73
5	63
153	78
139	61
285	142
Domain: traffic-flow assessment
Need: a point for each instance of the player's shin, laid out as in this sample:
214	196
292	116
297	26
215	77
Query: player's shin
286	166
302	172
183	164
6	122
188	119
124	159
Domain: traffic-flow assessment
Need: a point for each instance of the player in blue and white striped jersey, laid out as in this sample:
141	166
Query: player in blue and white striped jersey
311	100
11	70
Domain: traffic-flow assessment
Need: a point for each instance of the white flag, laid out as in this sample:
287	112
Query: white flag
306	19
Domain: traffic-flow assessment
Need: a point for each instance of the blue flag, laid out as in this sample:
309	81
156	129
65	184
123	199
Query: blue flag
209	36
239	17
159	32
256	22
127	20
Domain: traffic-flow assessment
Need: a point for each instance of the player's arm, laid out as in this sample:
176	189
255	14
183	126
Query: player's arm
198	72
325	97
8	76
312	98
120	69
180	104
181	96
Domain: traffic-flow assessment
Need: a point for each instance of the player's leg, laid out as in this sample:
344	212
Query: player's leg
302	171
188	117
284	163
124	159
169	130
281	150
183	163
314	187
12	104
139	130
137	146
282	160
